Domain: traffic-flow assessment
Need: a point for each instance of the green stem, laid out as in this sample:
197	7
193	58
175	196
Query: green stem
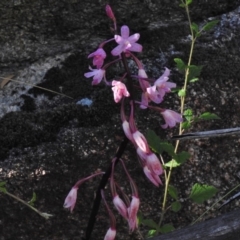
182	109
45	215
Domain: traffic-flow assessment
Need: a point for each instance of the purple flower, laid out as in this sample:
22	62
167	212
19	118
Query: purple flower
119	90
126	43
171	118
162	84
71	198
98	57
97	75
160	87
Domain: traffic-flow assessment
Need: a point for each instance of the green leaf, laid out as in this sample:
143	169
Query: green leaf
194	80
157	145
139	217
186	125
180	64
166	228
173	163
151	233
153	141
167	147
182	93
176	206
150	223
188	114
3	189
2	184
201	193
33	200
194	27
172	191
208	116
189	2
210	25
182	5
182	157
194	71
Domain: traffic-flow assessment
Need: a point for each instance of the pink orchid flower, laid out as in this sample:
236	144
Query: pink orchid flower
171	118
154	164
119	90
126	43
132	213
71	198
151	160
155	179
111	234
160	87
97	75
98	57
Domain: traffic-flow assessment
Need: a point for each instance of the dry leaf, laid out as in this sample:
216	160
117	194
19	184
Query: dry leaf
5	80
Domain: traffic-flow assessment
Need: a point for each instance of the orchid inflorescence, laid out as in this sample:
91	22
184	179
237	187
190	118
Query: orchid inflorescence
123	92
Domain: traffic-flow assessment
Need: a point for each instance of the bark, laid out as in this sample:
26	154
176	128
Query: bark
224	227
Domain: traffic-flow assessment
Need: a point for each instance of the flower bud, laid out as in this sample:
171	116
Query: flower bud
109	12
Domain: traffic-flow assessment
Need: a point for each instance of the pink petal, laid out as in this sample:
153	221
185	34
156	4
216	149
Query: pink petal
127	131
135	47
117	50
153	164
111	234
132	213
141	141
89	74
71	199
125	31
118	39
120	206
151	176
133	38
